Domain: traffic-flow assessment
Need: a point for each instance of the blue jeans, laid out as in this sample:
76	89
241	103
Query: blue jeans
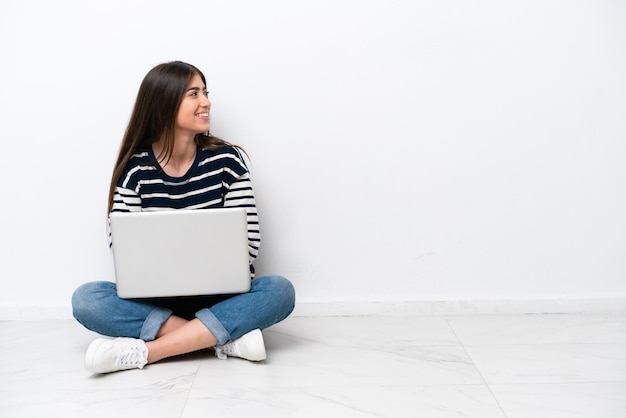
97	307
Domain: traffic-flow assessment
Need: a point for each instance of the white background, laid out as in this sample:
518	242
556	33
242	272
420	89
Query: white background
400	150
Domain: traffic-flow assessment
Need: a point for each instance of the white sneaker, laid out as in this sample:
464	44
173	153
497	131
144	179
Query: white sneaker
107	355
250	346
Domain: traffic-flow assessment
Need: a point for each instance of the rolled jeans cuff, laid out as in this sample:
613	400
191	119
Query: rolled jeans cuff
211	322
154	322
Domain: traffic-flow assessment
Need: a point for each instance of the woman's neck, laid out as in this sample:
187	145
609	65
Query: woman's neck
177	164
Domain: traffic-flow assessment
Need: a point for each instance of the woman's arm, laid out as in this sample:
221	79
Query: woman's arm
240	194
124	200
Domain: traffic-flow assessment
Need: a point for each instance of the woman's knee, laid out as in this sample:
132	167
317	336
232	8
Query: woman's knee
287	289
281	288
86	298
275	282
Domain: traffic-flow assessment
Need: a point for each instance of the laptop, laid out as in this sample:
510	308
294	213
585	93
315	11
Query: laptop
180	252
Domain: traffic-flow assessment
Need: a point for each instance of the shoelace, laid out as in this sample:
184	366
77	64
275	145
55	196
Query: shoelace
130	357
223	351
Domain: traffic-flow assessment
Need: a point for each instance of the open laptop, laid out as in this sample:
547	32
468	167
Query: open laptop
180	252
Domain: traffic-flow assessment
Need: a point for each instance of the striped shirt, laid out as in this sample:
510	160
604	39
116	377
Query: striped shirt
217	178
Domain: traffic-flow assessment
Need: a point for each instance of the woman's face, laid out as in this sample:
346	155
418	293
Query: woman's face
193	114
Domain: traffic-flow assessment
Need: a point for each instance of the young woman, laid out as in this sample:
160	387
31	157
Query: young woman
168	160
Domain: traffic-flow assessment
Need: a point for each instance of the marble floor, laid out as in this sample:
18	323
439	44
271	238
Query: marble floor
528	366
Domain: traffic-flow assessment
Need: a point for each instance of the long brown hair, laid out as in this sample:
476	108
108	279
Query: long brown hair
154	116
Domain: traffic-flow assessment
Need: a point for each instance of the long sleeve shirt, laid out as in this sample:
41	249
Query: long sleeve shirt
217	178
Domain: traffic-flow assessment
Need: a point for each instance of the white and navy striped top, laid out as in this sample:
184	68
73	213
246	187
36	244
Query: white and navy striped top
216	179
